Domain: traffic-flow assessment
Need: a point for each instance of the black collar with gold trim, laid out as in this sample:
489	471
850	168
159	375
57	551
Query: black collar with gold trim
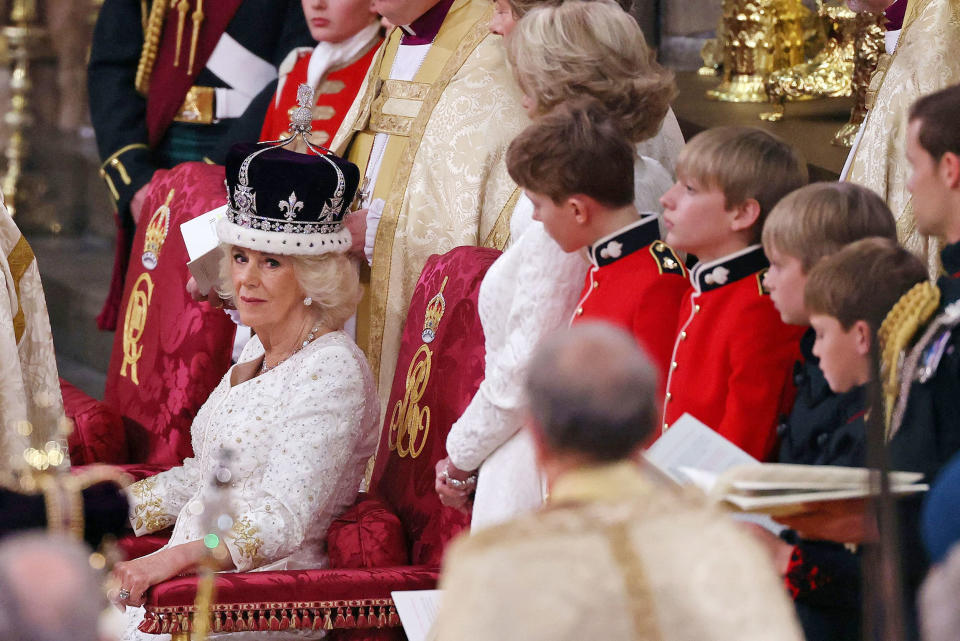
729	269
625	241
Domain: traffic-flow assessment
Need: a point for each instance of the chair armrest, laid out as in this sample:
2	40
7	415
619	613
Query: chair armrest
325	599
99	435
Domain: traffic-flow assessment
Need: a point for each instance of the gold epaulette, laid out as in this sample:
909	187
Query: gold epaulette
667	260
113	162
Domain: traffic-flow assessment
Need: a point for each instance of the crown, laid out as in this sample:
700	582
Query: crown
282	201
156	233
431	318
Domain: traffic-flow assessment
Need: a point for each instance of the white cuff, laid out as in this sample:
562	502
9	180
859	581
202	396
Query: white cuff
374	213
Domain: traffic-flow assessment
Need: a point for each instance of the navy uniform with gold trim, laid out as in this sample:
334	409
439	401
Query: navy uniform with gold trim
169	96
733	356
637	282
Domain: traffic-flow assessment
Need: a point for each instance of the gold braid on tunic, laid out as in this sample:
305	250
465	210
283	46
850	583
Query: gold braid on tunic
896	332
151	42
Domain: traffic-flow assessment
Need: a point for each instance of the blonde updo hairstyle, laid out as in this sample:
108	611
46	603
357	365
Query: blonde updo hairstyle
521	8
592	49
332	280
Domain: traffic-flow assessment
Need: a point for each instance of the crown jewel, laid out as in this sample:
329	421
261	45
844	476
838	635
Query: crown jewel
156	234
434	312
243	209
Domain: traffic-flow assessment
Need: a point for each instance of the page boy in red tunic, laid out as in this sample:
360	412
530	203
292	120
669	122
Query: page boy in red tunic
577	168
732	355
348	35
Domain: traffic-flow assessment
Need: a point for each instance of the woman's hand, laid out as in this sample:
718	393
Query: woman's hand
779	550
457	493
133	578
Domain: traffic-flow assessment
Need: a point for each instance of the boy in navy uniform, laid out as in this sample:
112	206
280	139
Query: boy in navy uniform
823	427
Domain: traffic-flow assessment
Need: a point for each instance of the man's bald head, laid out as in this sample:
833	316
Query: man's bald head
48	591
591	392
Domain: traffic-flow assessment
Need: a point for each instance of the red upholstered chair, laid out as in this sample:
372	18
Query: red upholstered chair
394	538
169	352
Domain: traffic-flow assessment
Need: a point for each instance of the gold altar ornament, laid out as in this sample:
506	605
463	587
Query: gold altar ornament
759	37
843	67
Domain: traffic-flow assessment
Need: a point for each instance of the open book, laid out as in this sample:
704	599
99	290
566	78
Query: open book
693	454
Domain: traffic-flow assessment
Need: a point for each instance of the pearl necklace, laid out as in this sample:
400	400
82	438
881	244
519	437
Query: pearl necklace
314	333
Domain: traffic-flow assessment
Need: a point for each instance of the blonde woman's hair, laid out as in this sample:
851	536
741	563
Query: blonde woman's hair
744	163
820	219
521	8
593	49
332	280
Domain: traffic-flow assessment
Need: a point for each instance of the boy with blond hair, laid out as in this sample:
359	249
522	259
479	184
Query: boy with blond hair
577	168
809	224
732	355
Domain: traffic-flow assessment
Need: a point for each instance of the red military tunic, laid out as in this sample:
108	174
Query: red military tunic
733	356
334	94
637	282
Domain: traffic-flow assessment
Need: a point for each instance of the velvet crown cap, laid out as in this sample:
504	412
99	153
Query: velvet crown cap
284	202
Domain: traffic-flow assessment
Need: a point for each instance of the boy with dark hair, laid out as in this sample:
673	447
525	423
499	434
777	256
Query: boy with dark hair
732	355
577	168
874	294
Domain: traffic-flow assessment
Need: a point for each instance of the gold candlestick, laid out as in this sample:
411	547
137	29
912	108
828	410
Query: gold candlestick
23	37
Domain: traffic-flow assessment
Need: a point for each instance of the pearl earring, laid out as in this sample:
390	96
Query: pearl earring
308	301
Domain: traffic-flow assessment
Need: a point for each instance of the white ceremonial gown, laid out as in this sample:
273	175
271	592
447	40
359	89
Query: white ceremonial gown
300	436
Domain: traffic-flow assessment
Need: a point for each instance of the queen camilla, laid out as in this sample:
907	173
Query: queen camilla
298	412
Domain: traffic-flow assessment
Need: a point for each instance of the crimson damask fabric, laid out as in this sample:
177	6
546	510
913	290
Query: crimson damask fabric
98	435
169	351
434	383
367	535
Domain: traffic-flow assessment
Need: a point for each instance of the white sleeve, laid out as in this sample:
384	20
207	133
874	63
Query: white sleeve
320	443
374	214
156	501
547	282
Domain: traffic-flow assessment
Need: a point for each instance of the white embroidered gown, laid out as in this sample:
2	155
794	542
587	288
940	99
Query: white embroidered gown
529	291
300	436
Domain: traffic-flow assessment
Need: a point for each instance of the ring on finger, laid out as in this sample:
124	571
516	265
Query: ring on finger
124	594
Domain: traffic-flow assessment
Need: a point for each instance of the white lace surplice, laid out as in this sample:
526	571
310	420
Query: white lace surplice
529	291
300	435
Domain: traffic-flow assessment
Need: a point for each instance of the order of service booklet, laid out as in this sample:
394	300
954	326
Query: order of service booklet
692	453
203	247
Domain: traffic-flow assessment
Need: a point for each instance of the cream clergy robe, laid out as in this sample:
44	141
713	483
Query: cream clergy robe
614	556
926	59
29	385
441	173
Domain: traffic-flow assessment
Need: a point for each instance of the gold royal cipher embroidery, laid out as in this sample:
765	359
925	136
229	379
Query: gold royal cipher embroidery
133	324
409	421
156	234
